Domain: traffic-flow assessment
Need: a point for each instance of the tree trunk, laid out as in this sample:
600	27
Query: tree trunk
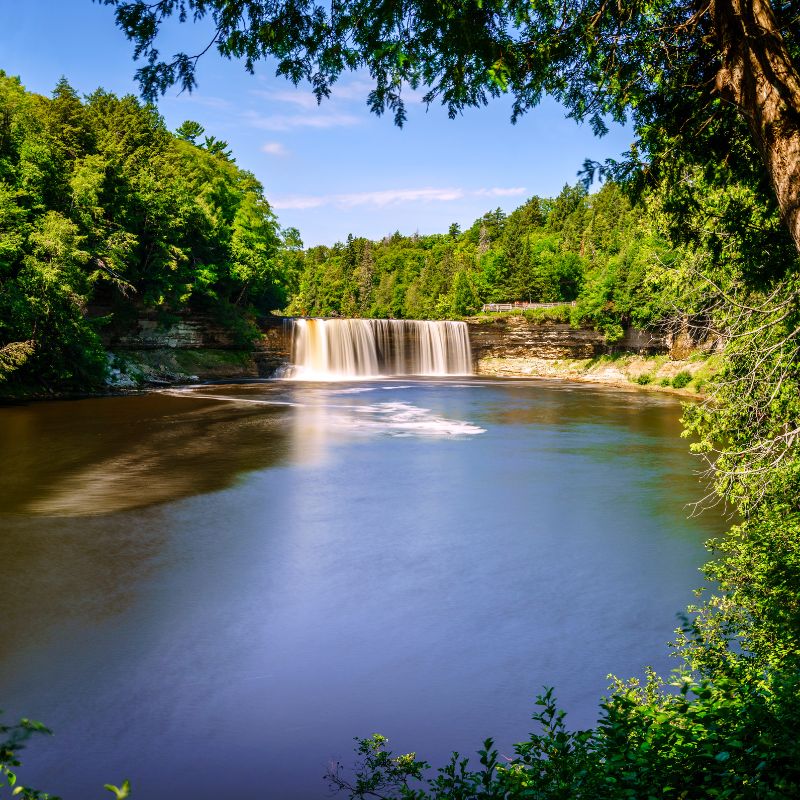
757	74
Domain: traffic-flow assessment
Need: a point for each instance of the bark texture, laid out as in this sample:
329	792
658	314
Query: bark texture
758	75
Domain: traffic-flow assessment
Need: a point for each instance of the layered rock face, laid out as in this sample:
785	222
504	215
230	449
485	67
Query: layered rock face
517	337
197	347
274	349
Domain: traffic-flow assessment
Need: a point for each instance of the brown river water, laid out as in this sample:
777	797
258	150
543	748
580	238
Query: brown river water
211	591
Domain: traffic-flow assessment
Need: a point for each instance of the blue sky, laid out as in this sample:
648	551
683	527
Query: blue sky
328	170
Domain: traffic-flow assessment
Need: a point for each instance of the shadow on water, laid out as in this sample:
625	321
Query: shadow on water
106	455
79	466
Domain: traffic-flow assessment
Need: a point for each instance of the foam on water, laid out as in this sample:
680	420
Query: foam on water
405	419
391	418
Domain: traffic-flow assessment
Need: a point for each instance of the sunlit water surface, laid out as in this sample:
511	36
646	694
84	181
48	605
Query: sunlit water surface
211	591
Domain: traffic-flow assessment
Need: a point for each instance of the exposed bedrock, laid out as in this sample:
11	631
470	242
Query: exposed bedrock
189	347
517	337
197	346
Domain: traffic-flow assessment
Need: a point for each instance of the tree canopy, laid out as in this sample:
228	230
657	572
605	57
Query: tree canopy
703	83
600	251
103	211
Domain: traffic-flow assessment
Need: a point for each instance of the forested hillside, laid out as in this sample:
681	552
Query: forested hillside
597	249
104	211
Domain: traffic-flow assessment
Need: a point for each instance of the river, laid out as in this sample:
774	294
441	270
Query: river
211	591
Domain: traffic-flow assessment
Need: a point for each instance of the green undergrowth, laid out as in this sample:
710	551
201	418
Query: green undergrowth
140	368
558	314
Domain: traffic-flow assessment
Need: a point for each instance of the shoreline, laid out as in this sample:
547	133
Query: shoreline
132	373
624	371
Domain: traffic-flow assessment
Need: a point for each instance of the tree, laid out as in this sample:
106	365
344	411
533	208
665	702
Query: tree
217	147
190	131
702	78
102	208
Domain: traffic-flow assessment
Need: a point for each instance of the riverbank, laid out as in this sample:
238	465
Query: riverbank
131	371
134	371
195	349
688	376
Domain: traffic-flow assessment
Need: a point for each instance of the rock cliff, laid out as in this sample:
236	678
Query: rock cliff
193	347
518	337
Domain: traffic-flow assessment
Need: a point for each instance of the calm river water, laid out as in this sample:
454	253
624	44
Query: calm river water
212	591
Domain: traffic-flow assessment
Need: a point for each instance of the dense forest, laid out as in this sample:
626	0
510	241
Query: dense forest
99	203
599	250
103	211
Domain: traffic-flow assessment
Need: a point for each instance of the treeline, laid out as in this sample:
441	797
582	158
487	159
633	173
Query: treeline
103	211
595	249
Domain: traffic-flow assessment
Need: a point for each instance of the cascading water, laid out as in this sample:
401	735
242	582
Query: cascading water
344	349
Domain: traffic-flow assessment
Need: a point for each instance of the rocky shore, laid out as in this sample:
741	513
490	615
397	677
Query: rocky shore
686	377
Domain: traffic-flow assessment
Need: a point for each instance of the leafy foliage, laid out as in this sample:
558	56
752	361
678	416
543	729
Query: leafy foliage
728	738
102	211
682	379
598	250
12	741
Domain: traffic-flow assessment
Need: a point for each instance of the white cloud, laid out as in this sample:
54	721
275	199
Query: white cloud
392	196
288	109
303	98
318	118
380	199
274	149
499	191
359	88
356	89
387	197
203	100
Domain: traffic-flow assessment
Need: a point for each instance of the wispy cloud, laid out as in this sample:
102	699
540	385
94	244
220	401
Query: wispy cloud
319	118
356	89
297	97
204	100
388	197
274	149
290	109
500	191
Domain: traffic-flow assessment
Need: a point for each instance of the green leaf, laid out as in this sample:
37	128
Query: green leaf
120	792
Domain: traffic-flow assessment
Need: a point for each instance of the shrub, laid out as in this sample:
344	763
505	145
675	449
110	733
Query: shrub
643	379
681	379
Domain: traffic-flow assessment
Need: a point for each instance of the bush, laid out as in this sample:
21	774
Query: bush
643	379
681	379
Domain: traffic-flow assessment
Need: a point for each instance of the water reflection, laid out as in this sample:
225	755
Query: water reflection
64	576
101	456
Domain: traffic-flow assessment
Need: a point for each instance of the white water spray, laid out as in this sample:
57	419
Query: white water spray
347	349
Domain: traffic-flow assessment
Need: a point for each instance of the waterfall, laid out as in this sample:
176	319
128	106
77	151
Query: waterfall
345	349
